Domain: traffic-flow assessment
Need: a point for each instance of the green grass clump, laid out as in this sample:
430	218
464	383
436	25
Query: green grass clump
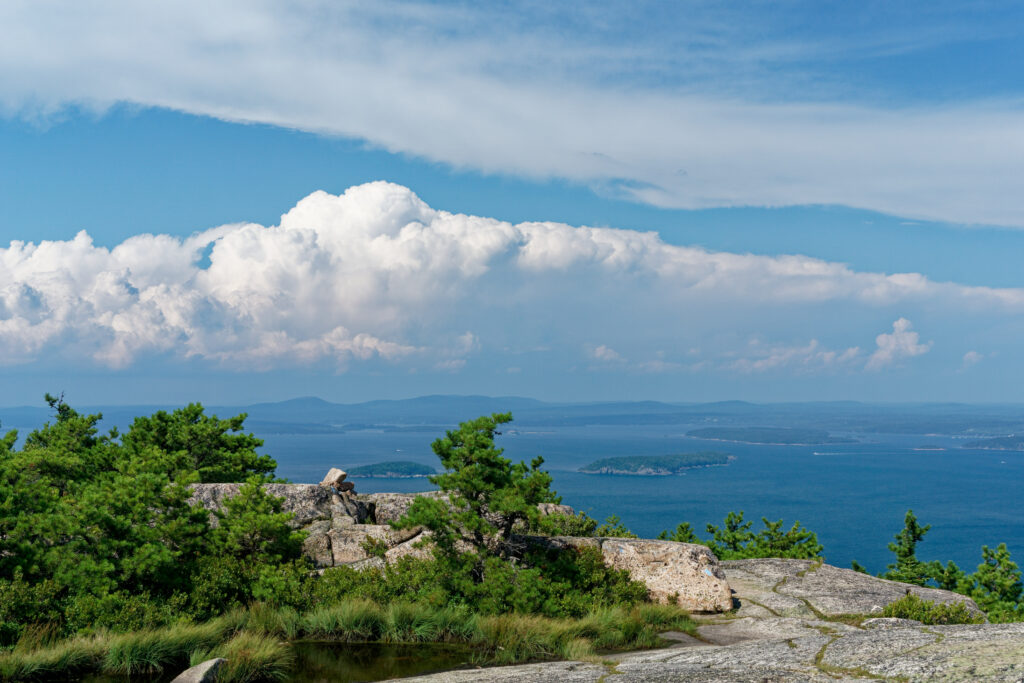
158	650
254	640
59	660
911	606
350	621
250	657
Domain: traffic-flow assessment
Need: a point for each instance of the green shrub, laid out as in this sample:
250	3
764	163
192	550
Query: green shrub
561	524
614	528
913	607
23	603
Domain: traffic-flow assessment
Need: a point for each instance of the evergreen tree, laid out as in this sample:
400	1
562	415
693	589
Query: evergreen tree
908	569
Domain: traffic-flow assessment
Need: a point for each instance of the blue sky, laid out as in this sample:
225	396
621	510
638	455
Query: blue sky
766	201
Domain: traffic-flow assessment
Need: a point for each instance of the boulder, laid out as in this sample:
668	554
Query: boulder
334	478
390	507
307	502
685	573
317	547
555	509
201	673
411	548
347	543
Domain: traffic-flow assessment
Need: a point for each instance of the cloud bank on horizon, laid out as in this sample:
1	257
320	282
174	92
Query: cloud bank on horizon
717	106
376	275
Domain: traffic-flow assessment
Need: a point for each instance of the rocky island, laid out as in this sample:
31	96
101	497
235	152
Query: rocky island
657	465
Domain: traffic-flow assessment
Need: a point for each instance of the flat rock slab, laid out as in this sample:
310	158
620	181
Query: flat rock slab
552	672
955	654
755	644
802	588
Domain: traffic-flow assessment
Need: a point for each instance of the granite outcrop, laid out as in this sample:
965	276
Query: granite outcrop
339	523
798	620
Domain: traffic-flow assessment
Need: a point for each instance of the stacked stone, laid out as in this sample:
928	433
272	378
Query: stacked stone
345	505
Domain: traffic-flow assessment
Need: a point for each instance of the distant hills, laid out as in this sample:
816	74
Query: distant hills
311	415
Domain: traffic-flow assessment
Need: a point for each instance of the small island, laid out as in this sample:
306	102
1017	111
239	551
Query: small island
999	443
397	469
769	436
657	465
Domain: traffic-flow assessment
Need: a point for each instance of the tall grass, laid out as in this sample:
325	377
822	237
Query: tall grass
159	649
250	657
253	640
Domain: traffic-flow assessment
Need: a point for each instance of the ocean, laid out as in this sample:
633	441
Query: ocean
854	496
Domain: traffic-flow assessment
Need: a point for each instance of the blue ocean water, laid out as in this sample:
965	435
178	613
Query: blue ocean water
854	496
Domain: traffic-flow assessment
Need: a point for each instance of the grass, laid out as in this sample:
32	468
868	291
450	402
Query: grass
254	640
927	612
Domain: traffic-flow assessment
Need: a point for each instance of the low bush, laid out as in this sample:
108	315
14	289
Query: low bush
927	612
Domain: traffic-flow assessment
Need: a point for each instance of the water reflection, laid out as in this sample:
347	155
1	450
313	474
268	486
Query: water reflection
327	662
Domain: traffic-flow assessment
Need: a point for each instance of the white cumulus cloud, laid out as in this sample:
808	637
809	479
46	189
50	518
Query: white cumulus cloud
806	358
375	274
893	347
606	353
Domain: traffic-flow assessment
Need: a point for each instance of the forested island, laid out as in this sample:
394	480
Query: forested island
999	443
780	436
656	465
398	469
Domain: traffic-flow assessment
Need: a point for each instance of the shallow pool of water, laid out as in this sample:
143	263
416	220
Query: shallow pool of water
323	662
332	662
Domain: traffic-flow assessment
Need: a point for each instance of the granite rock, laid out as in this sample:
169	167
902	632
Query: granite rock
333	478
804	588
206	672
762	646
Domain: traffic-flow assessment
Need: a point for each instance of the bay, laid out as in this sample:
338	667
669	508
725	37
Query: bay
854	496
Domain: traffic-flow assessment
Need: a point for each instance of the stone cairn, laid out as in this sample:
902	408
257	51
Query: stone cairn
343	494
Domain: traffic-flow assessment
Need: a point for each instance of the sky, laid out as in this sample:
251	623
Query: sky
238	202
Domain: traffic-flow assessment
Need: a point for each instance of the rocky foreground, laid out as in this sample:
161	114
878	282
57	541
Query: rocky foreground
760	620
787	628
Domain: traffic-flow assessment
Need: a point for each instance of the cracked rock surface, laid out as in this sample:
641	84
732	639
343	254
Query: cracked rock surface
785	630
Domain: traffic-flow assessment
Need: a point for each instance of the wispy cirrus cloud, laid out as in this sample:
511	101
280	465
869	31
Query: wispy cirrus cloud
559	95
